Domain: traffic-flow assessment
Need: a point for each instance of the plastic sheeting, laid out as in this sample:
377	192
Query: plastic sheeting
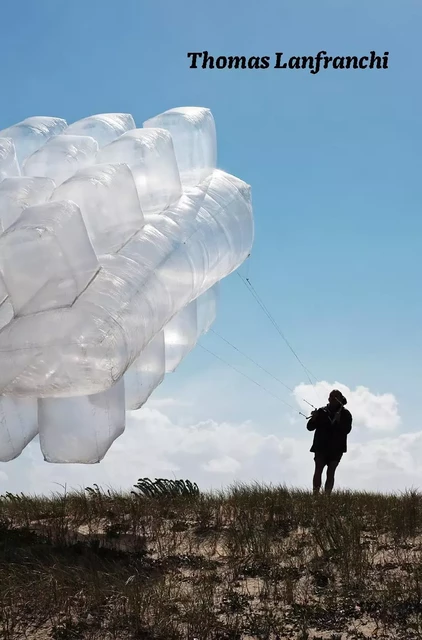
18	193
149	153
146	373
18	426
104	128
113	242
61	157
94	420
194	139
180	336
207	309
46	258
6	308
31	134
9	166
107	197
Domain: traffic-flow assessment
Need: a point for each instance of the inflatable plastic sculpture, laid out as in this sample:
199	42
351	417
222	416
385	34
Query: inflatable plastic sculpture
113	241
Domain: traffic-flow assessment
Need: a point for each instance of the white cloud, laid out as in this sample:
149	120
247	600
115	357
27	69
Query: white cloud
226	464
385	464
369	410
162	403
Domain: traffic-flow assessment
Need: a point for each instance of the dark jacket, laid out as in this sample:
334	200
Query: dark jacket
330	432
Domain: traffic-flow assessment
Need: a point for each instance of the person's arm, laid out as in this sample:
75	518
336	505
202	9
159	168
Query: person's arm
313	421
348	422
345	423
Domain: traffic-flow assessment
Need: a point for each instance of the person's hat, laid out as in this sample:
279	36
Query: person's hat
339	396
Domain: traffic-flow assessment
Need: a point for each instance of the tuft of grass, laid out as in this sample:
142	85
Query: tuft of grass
167	561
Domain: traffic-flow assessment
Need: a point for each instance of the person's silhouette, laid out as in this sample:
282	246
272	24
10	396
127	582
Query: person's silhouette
331	424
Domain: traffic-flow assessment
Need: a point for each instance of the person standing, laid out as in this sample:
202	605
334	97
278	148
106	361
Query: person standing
332	424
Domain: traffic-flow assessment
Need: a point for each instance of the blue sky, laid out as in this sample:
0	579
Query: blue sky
333	160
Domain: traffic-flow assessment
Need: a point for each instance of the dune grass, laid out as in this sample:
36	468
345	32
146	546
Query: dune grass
167	561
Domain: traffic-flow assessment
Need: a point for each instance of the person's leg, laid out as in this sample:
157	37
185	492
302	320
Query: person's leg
319	468
331	472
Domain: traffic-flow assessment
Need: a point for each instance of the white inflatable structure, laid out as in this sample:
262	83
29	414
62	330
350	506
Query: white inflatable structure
113	240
